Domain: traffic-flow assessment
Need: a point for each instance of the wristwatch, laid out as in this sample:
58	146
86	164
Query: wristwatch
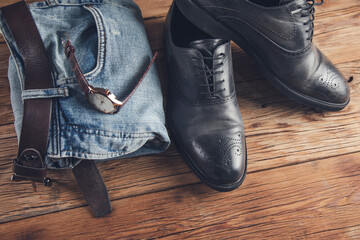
101	99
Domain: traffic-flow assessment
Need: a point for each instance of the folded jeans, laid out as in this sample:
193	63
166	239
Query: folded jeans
112	50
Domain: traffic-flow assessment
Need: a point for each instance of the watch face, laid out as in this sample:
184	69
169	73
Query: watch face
101	103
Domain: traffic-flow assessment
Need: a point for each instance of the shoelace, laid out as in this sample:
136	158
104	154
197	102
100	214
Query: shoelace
310	11
210	73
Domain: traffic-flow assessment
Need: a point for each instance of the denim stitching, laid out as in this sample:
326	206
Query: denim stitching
136	10
146	135
22	81
73	3
55	128
69	80
70	153
58	128
133	135
84	128
79	2
45	93
45	4
8	33
102	42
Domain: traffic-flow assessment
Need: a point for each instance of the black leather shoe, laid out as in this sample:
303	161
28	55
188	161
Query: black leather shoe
202	110
277	34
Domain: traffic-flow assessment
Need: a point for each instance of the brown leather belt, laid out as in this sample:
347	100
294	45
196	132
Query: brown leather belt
30	162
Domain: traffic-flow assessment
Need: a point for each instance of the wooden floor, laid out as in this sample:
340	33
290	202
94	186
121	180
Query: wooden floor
303	177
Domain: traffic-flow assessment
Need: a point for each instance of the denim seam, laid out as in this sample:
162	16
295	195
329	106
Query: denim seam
145	135
100	130
57	135
77	4
102	43
75	126
13	56
54	136
54	3
52	125
71	153
58	128
136	10
41	93
45	5
69	80
22	81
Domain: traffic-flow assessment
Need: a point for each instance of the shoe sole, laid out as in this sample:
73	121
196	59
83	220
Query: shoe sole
209	25
198	173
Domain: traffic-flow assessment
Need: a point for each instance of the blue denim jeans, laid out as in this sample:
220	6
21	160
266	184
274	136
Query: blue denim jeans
113	50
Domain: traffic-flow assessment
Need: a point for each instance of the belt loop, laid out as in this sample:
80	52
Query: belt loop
52	3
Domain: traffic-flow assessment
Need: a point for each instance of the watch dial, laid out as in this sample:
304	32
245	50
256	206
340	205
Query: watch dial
101	103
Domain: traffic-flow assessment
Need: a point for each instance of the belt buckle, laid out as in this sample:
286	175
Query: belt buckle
21	173
47	182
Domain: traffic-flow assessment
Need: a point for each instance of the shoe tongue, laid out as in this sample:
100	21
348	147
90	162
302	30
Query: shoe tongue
207	46
283	2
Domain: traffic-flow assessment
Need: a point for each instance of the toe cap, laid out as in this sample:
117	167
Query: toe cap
328	84
221	158
331	86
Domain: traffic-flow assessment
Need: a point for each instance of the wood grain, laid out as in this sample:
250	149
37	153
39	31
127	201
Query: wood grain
282	203
303	165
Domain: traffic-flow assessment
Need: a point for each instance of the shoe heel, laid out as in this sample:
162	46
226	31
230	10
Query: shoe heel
202	20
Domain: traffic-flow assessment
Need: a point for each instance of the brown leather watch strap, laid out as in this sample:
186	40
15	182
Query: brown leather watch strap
141	79
37	112
70	55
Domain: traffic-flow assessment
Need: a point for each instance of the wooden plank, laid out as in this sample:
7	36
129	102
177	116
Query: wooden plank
283	133
316	200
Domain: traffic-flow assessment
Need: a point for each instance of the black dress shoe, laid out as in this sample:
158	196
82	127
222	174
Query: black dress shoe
202	110
277	34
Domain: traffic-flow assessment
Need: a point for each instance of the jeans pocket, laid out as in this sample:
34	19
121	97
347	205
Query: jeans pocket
83	25
87	35
100	58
